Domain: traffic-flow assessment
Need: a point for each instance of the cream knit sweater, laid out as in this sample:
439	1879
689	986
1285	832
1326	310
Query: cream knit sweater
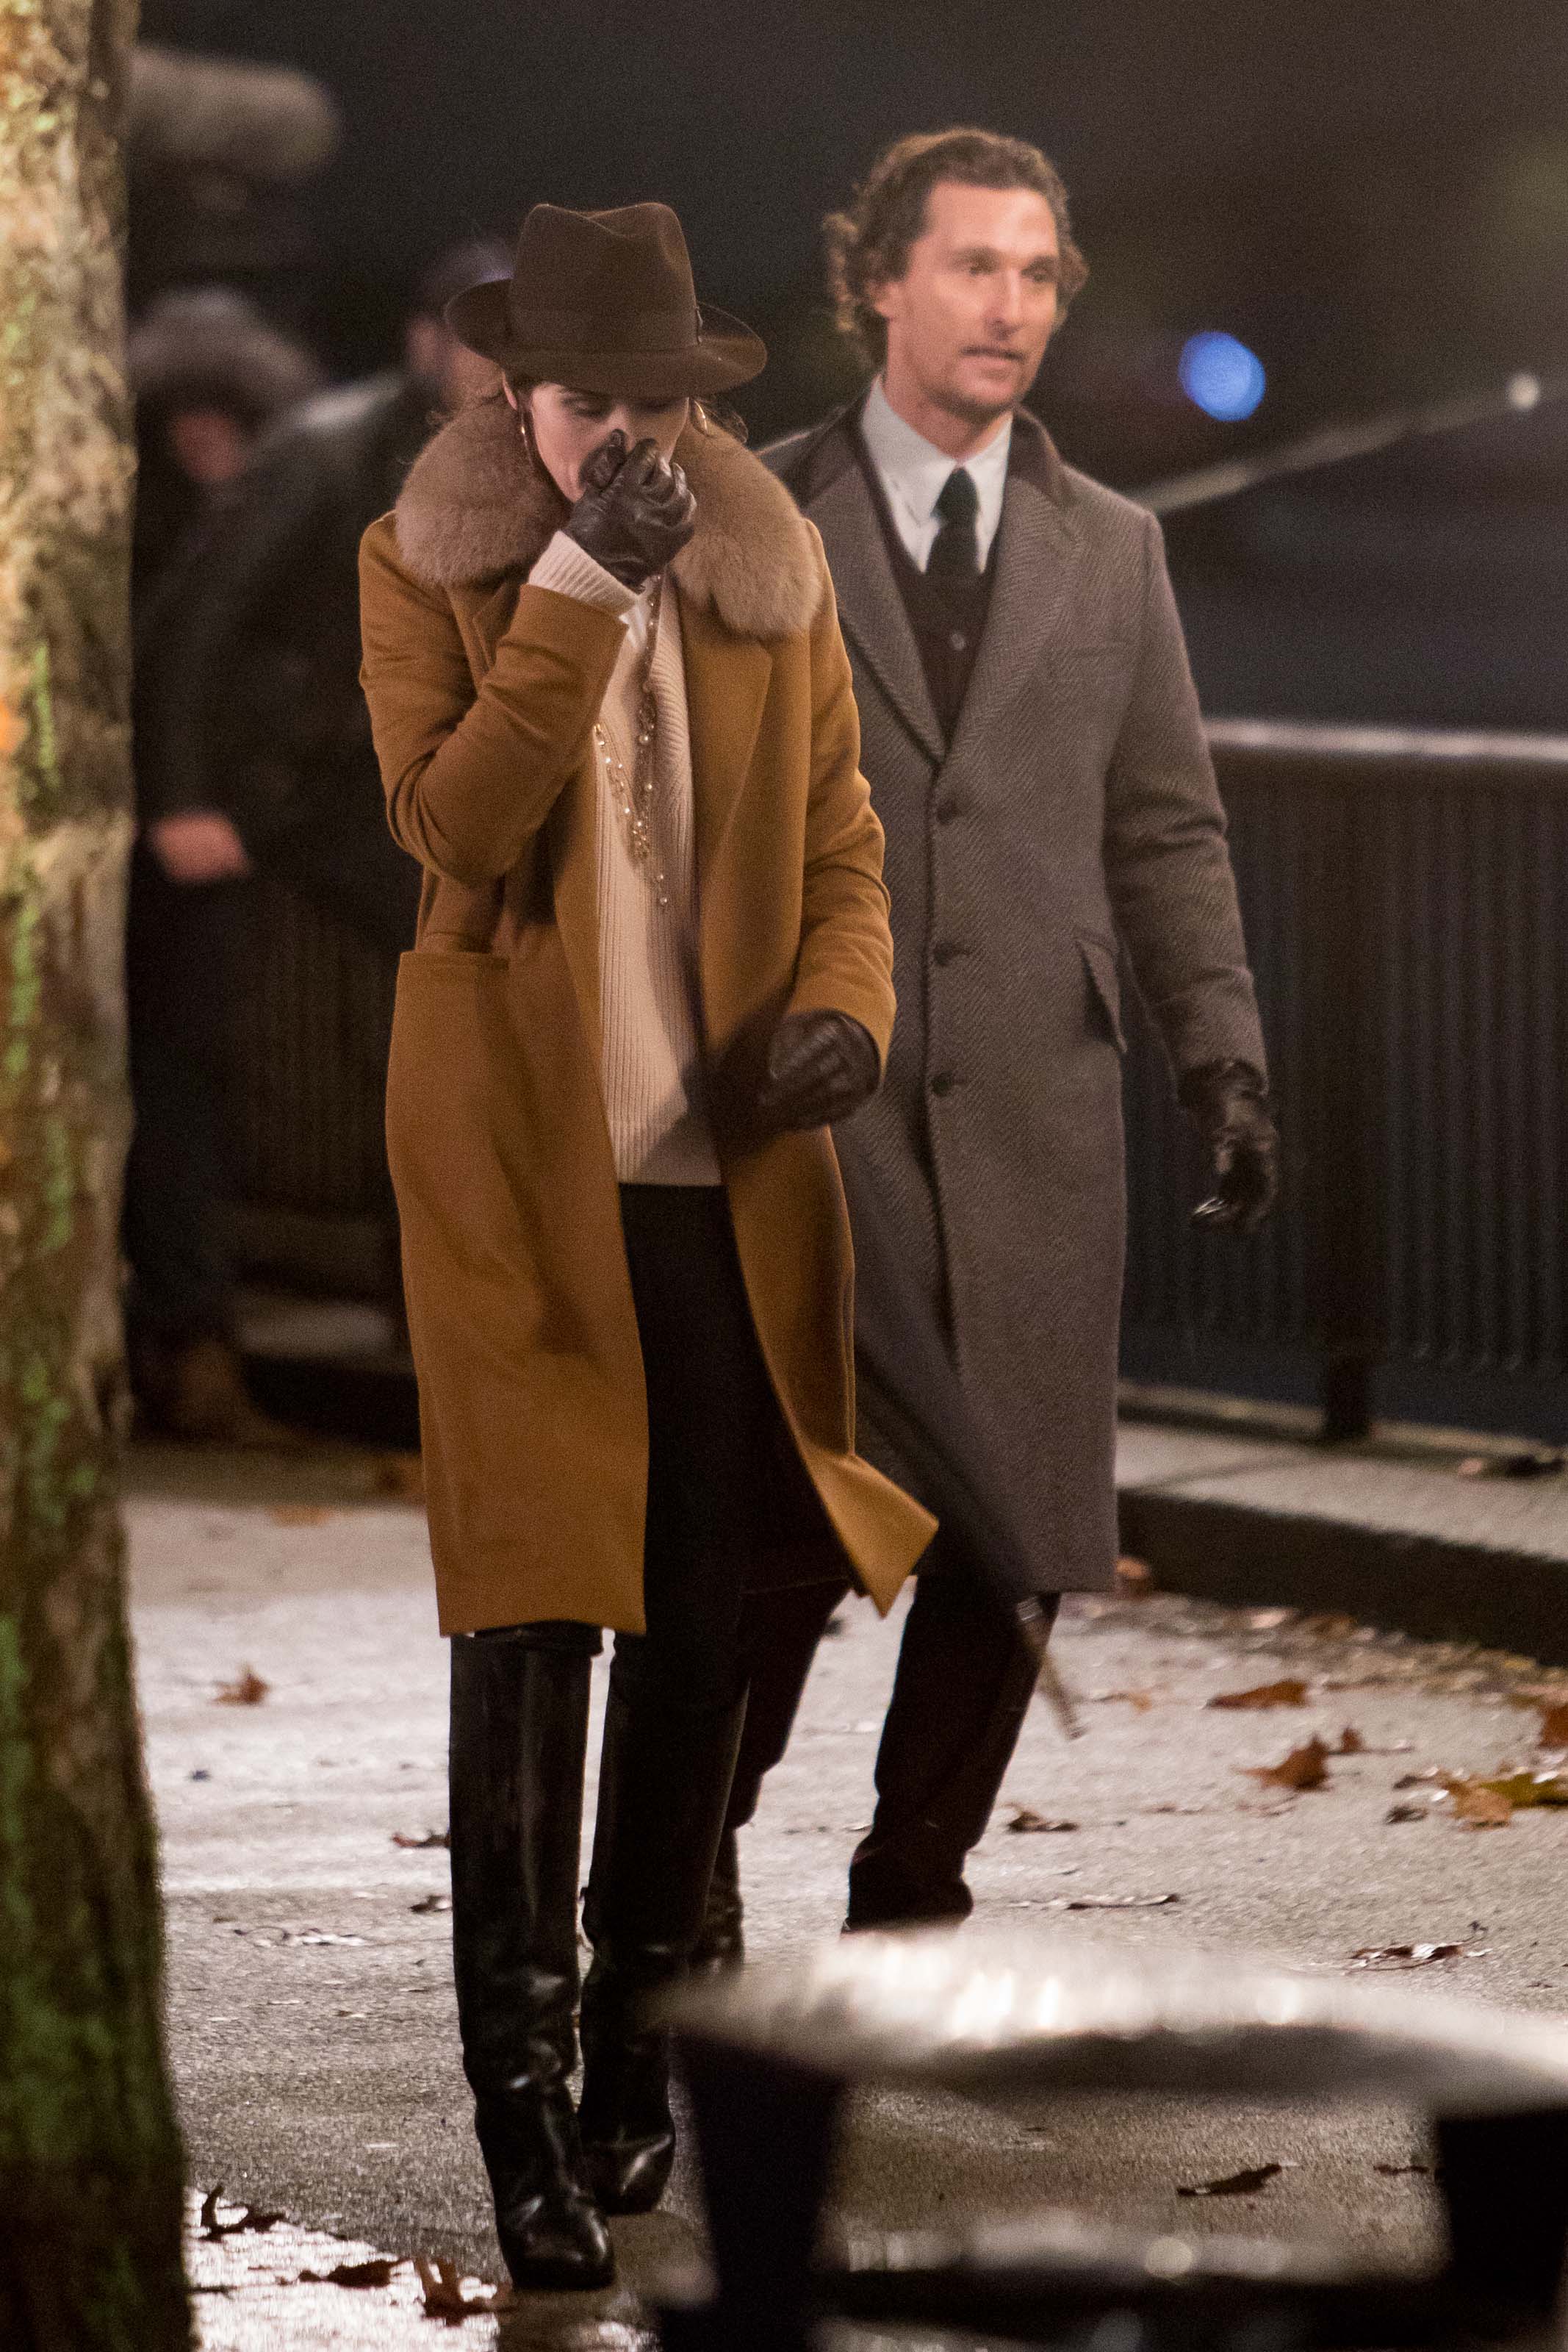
649	1000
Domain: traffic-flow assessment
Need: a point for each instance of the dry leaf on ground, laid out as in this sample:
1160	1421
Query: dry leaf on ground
432	1903
250	2217
247	1690
1304	1767
1025	1823
373	2273
1524	1787
1290	1692
1554	1731
1479	1806
1408	1813
300	1514
1119	1902
1412	1956
1235	2184
420	1844
444	2295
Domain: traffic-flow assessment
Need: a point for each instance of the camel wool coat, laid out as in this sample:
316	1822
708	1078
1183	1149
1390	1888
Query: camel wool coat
483	693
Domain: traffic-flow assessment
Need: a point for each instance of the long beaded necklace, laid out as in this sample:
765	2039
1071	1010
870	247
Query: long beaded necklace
633	790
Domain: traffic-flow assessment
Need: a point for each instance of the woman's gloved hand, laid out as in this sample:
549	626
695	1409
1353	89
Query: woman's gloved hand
820	1067
636	511
1228	1102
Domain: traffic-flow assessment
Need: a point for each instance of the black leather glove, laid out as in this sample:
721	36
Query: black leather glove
636	512
1228	1102
820	1067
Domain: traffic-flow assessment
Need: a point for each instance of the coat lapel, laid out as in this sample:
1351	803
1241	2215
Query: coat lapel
727	679
1035	555
870	606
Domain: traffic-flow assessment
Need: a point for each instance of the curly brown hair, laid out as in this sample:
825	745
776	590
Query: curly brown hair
869	244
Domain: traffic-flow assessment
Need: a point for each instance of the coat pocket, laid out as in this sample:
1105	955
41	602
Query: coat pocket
1101	963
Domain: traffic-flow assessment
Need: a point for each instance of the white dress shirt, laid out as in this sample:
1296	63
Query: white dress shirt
913	473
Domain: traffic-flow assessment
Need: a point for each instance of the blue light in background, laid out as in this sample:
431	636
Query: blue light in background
1221	376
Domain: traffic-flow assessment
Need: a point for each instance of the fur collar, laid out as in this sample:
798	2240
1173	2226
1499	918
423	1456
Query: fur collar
474	508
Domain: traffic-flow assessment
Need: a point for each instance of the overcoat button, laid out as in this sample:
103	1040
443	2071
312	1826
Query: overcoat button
957	641
947	810
943	952
942	1084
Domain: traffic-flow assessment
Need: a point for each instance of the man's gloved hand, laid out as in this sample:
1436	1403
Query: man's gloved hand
820	1067
1228	1102
636	512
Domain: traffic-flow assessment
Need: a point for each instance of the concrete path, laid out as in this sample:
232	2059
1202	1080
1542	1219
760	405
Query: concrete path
310	1998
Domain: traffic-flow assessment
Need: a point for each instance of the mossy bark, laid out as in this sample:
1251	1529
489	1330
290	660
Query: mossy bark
91	2171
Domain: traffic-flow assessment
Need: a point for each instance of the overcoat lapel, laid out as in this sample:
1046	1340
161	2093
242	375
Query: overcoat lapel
1035	557
870	606
727	679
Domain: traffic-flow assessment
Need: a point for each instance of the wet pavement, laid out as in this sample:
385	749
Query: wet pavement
311	1999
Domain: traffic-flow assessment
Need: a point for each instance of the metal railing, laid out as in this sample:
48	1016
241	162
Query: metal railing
1405	898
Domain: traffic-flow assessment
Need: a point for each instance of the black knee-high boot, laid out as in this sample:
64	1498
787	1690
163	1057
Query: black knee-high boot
519	1732
664	1783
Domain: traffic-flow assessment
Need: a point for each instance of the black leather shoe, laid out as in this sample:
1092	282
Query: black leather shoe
664	1785
519	1732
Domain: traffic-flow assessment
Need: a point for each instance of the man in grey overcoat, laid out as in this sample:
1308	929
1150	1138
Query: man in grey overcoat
1032	739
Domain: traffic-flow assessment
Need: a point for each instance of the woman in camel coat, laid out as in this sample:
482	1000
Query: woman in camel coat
615	725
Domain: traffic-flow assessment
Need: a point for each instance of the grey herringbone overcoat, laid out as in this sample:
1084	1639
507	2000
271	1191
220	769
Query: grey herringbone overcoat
1076	809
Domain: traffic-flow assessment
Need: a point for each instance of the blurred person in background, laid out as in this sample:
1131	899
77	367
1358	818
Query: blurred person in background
209	376
1035	753
255	746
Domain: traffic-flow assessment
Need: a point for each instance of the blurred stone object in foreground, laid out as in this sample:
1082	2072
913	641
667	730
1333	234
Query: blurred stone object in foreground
1016	2022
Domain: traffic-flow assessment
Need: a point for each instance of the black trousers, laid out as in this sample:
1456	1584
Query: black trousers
187	948
959	1697
730	1510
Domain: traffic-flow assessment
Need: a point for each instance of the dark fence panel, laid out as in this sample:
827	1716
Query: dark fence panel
1405	898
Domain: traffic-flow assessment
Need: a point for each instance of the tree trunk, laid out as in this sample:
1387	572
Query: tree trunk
91	2171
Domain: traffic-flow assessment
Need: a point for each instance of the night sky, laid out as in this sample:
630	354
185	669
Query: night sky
1374	196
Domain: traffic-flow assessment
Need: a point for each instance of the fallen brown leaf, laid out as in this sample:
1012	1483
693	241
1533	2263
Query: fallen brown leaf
300	1514
1235	2184
1351	1742
1304	1767
420	1844
249	1690
1288	1692
1554	1731
1026	1824
250	2217
1527	1788
1408	1813
373	2273
432	1903
1119	1902
1412	1956
1478	1806
444	2295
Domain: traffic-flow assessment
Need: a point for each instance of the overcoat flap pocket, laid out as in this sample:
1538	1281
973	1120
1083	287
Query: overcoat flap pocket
1101	964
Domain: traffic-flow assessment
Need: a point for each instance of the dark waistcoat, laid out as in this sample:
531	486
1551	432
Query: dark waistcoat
946	616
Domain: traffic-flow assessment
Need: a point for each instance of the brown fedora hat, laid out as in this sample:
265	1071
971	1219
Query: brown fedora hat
604	302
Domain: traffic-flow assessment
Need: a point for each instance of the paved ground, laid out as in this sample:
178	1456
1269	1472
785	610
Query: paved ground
311	2013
